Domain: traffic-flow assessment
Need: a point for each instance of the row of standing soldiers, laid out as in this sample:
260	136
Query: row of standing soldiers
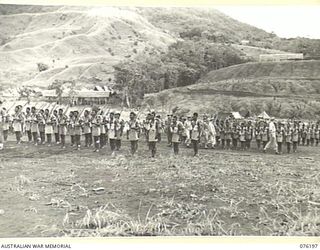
98	129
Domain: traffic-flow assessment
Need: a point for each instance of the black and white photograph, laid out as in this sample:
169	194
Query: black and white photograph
131	121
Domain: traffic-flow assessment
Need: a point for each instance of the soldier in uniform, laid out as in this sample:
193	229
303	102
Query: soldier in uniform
235	136
303	134
95	123
228	135
55	120
242	137
308	135
77	125
317	134
112	129
249	135
71	127
222	135
288	136
176	129
2	121
212	133
133	132
41	126
295	138
48	126
28	124
153	134
34	126
63	127
195	133
87	129
167	129
312	135
17	123
119	130
6	125
103	130
265	136
258	135
279	137
272	137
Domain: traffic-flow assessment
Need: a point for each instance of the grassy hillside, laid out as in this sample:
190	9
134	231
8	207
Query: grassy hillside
75	43
284	89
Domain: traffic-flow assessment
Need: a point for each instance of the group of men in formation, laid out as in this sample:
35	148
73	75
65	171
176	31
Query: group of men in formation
99	129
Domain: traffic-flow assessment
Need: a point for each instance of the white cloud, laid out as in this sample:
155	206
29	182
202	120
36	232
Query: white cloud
285	21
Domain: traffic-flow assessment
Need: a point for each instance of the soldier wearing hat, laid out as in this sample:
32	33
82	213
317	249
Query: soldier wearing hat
133	132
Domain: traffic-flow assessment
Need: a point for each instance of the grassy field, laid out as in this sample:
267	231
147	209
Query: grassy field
54	192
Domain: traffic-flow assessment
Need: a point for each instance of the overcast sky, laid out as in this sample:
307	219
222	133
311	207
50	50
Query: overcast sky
285	21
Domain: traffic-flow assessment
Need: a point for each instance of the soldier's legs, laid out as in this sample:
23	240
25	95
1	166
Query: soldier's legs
153	148
228	143
280	147
35	137
195	145
248	143
295	145
29	134
288	147
258	143
42	137
96	140
169	137
112	144
308	142
63	140
223	143
5	134
134	147
175	148
72	140
49	139
18	136
57	139
312	141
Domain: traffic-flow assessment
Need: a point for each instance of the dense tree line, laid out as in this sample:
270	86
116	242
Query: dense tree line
183	64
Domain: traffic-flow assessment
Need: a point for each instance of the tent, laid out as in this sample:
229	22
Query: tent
236	115
264	115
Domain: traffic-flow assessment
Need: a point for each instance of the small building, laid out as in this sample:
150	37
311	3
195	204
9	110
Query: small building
280	57
79	97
